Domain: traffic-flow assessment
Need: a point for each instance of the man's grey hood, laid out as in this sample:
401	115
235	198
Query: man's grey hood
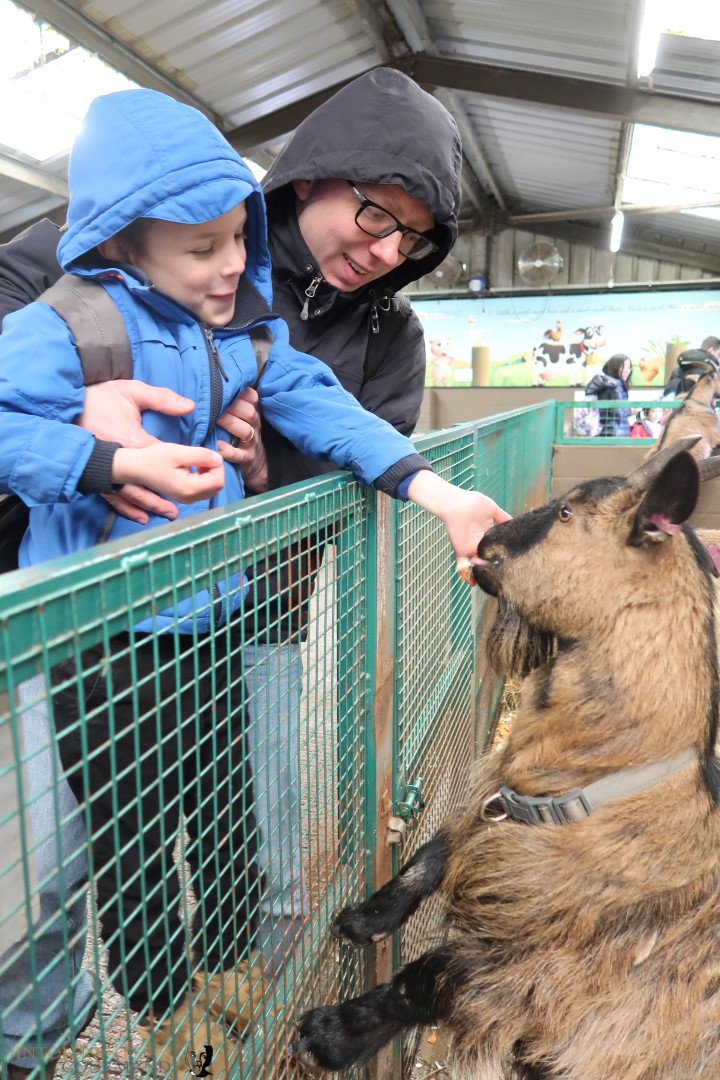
381	129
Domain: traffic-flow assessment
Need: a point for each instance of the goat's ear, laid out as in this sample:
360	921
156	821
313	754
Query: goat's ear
669	501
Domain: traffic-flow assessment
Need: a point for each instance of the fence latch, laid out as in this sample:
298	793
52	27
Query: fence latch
408	811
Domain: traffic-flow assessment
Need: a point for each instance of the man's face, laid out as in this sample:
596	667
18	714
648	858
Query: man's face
346	256
197	265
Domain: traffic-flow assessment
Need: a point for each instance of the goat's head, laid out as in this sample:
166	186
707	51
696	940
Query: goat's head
706	388
609	545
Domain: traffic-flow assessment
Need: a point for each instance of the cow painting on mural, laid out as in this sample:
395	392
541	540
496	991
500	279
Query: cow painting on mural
582	879
552	357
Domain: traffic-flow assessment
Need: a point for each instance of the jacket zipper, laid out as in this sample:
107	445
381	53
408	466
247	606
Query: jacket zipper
374	313
309	294
216	370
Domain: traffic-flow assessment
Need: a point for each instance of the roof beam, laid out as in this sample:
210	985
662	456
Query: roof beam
521	221
623	103
411	20
32	175
633	245
268	129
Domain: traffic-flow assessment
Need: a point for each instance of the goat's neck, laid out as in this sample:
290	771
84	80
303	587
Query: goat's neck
700	404
592	711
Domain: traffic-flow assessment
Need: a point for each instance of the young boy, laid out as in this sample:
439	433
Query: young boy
171	222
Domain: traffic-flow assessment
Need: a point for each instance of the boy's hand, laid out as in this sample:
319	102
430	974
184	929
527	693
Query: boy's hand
245	449
467	515
183	473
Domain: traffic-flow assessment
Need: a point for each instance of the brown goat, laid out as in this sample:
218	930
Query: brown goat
696	415
583	877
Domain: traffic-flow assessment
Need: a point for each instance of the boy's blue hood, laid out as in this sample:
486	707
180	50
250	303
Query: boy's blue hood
142	154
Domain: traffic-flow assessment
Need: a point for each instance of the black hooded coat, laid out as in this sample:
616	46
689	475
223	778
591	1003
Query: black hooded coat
382	128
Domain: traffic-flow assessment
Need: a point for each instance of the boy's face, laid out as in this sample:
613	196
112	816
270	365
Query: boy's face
197	265
346	256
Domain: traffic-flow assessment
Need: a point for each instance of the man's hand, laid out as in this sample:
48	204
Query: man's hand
245	449
136	503
184	473
113	411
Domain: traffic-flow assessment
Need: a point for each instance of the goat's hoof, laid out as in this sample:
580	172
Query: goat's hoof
305	1058
355	927
323	1041
340	932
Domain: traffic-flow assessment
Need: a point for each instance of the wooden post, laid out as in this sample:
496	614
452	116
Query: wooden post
480	365
671	354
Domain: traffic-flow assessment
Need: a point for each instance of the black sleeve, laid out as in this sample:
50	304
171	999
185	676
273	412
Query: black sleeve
28	266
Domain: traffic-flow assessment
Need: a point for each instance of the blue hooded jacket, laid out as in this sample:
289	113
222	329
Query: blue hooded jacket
142	154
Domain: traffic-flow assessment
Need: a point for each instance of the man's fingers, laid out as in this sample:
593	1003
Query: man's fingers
156	398
136	503
127	509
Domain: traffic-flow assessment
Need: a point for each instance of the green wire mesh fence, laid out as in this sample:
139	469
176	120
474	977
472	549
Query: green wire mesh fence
214	727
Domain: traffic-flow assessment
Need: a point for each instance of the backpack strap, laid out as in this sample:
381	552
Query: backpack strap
261	340
100	333
97	326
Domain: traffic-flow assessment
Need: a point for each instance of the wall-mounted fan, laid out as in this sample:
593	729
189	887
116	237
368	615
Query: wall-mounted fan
449	273
540	263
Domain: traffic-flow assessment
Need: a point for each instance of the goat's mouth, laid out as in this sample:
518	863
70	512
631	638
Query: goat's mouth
482	573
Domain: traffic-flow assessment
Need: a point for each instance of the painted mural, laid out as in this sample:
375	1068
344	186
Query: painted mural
563	340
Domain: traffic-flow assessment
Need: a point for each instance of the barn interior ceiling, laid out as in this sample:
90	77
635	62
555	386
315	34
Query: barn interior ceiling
565	122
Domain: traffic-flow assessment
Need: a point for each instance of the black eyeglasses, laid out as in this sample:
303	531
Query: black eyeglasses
376	221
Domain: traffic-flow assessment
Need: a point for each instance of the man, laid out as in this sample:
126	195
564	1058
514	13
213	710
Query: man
691	364
711	344
362	201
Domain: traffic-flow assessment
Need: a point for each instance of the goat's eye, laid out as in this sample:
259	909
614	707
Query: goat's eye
565	513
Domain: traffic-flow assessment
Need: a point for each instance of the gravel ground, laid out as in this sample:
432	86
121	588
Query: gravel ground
431	1056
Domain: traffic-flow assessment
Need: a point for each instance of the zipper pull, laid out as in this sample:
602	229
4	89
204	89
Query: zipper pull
309	294
374	317
216	354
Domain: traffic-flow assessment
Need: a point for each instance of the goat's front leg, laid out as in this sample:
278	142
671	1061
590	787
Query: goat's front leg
339	1036
387	909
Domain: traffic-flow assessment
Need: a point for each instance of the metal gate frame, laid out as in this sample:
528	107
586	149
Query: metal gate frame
405	700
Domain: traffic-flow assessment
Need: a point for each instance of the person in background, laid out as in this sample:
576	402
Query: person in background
690	364
652	421
611	384
711	344
413	241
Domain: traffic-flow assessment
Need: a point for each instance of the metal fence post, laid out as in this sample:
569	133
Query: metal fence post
381	755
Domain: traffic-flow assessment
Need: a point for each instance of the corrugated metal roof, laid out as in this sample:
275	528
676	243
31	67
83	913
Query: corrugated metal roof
544	92
547	159
581	38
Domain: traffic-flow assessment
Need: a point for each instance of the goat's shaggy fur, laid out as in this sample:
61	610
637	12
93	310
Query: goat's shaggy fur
589	950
